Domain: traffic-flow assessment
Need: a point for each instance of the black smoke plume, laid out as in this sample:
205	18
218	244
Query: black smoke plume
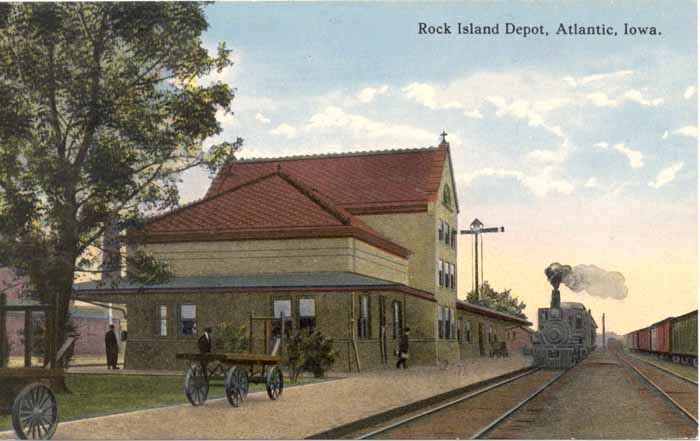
594	280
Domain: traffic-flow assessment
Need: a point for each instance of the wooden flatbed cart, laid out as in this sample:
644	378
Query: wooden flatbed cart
25	393
237	370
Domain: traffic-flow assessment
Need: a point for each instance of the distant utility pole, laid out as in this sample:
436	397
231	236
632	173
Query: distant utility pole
477	228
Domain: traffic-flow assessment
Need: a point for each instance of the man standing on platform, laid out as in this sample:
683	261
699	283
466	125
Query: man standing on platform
403	349
112	348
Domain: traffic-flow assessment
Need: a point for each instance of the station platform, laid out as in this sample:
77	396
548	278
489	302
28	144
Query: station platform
302	411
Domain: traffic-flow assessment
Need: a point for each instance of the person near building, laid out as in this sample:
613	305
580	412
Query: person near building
111	348
204	342
402	351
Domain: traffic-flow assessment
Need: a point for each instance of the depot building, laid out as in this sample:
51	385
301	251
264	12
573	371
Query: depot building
357	246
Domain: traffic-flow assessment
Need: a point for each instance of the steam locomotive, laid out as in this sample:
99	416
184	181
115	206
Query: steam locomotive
566	334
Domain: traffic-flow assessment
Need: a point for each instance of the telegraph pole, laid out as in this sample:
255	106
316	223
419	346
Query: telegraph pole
476	228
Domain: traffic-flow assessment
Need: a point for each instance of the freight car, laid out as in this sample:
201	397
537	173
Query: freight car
675	338
566	334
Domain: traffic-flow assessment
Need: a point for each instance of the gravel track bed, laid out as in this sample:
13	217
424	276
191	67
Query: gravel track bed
601	398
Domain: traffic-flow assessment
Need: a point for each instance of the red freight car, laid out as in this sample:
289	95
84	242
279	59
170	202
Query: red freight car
661	336
644	339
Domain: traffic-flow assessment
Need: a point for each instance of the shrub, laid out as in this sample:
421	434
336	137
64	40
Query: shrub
311	352
230	338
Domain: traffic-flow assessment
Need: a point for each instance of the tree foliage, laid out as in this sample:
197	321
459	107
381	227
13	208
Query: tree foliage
310	351
100	111
503	301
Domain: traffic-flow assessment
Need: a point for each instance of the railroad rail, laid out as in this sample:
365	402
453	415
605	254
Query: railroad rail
541	382
668	371
687	407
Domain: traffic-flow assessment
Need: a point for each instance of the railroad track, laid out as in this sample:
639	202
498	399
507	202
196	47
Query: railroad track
472	415
681	392
668	371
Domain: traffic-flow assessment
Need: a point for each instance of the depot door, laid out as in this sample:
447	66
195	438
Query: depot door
481	340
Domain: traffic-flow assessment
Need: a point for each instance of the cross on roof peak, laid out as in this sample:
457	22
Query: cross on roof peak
444	136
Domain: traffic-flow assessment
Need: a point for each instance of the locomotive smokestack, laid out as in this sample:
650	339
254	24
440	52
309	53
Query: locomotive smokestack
556	299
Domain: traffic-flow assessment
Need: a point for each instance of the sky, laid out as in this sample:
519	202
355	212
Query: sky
584	147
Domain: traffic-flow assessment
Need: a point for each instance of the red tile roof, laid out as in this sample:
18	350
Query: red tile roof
365	182
274	205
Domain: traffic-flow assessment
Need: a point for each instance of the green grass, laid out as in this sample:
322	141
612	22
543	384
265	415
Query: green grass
94	395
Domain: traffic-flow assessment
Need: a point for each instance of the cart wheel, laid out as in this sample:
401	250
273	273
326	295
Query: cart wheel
236	386
35	413
274	381
196	385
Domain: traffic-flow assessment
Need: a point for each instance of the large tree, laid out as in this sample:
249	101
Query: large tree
100	111
503	301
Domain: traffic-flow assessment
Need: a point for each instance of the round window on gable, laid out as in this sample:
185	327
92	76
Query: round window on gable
447	196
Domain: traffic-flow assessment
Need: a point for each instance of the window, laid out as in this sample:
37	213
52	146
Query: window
307	314
397	322
162	321
468	331
282	308
440	272
451	276
447	196
448	234
444	322
450	324
441	230
459	330
188	319
453	239
363	324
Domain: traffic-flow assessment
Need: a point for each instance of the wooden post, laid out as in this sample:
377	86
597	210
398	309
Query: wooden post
3	332
283	334
28	338
250	335
267	339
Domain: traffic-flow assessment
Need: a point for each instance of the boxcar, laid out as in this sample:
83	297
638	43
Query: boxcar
644	339
661	337
684	338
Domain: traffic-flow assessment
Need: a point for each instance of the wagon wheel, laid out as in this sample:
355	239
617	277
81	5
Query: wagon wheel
236	386
34	412
274	382
196	385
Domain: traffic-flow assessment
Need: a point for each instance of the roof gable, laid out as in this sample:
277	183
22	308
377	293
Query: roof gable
271	206
392	180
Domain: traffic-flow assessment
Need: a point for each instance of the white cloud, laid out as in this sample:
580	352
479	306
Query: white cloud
635	157
334	118
285	130
531	111
573	82
666	175
689	131
592	182
636	96
689	92
600	99
476	113
262	118
368	94
426	95
665	135
540	184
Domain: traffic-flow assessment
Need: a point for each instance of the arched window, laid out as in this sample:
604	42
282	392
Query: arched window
447	196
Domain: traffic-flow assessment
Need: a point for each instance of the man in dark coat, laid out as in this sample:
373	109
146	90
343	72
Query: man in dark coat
403	349
204	342
112	348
